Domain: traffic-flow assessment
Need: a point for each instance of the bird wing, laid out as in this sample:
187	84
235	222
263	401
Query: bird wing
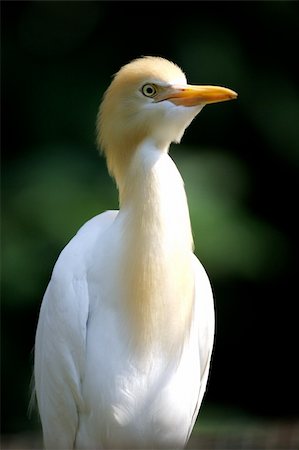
205	317
60	345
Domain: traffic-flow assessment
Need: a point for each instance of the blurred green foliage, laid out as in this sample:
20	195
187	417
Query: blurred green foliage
239	161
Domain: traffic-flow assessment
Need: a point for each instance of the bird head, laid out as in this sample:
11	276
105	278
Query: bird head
149	98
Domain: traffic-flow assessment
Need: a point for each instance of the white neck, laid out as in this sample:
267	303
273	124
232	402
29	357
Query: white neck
157	252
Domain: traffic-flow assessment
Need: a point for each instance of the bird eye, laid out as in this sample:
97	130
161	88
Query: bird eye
149	90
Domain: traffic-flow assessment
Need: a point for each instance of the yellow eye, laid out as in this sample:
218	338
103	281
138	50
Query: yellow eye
149	90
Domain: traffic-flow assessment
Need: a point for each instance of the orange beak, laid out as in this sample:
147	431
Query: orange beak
190	95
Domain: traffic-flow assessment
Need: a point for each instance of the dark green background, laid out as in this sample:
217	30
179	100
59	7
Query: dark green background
239	161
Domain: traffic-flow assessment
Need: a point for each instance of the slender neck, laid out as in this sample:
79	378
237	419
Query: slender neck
157	252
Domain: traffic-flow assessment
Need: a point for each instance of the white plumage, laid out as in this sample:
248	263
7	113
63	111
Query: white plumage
125	332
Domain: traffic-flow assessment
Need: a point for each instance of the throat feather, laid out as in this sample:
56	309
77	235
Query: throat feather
158	250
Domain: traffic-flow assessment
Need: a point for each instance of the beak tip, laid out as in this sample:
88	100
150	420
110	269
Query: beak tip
233	95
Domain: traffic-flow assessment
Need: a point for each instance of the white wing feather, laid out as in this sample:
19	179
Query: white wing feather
61	338
205	313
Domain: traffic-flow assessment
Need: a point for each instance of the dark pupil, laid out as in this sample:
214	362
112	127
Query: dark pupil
149	90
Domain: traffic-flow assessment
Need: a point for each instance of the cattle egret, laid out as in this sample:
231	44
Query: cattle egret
126	326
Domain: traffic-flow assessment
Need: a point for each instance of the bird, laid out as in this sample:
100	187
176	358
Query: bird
126	326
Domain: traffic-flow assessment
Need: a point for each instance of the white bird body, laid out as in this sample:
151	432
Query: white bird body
126	328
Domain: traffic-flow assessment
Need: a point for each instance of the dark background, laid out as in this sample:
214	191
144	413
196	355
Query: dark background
239	161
